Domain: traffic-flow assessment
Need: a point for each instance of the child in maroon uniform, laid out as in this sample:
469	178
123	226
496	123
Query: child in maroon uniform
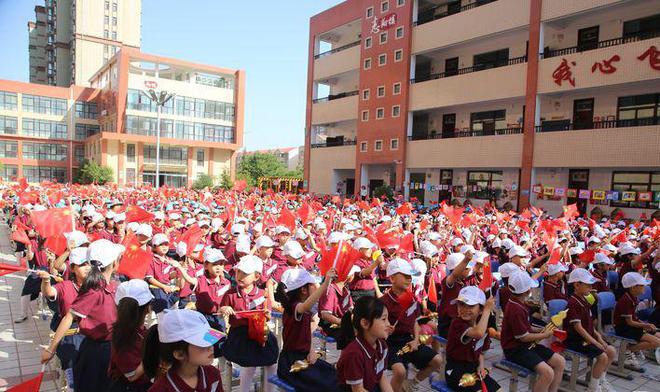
297	295
160	273
554	284
601	265
582	336
133	301
182	341
518	336
457	274
403	316
363	283
362	362
334	303
468	339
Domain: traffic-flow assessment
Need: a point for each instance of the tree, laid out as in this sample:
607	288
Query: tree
384	190
257	165
91	172
225	181
203	181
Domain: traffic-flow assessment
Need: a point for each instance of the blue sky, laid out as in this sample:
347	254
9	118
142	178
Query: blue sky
266	38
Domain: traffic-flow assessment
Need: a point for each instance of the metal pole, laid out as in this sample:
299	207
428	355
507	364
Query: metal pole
158	108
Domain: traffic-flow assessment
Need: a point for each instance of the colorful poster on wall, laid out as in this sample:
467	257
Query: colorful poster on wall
548	190
570	192
612	195
560	192
628	196
644	196
598	195
584	194
657	197
537	189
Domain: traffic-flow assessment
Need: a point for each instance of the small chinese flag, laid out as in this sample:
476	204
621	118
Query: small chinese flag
305	213
342	258
404	209
6	269
571	211
137	214
191	237
487	281
287	219
555	256
135	261
256	325
31	385
239	185
406	299
432	291
20	236
587	256
57	244
52	221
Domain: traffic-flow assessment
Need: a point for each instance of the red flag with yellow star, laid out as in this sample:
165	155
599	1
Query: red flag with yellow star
256	325
135	260
487	280
52	221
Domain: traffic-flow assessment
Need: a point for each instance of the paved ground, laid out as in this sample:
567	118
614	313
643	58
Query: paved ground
20	344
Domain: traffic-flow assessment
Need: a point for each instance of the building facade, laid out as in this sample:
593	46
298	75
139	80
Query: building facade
291	157
47	131
71	39
541	102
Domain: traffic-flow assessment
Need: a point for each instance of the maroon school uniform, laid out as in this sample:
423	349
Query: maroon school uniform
296	333
309	260
626	307
601	285
197	270
360	363
404	319
269	268
449	293
97	311
554	290
209	294
336	302
578	310
128	360
515	325
363	283
505	295
159	269
461	347
239	301
67	292
208	380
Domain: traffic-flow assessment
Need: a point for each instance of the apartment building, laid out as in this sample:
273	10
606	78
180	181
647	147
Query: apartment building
541	102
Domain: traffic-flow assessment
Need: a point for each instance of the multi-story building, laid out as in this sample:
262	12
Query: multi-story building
47	131
522	101
71	39
291	157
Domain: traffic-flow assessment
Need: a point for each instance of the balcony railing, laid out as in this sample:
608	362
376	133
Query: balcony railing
166	161
429	15
467	70
457	133
335	143
566	125
335	50
336	96
602	44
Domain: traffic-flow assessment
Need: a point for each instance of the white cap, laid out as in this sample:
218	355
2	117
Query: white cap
581	275
96	218
428	249
204	222
470	295
293	249
400	266
138	289
433	236
517	250
119	217
159	239
508	243
594	239
181	249
554	269
420	267
497	243
631	279
145	230
76	238
508	269
602	258
295	278
190	221
78	256
265	242
282	229
243	243
520	282
159	215
363	243
575	250
132	226
188	326
453	260
337	236
175	216
627	248
609	248
110	215
300	234
104	251
480	257
213	255
467	248
250	264
457	241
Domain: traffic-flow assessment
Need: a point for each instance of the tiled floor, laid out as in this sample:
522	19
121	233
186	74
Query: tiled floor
20	344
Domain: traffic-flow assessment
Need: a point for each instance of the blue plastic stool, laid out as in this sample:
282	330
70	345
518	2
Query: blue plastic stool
281	384
325	339
440	386
517	371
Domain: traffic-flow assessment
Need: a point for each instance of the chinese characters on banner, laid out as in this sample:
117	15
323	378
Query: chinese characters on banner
383	23
564	71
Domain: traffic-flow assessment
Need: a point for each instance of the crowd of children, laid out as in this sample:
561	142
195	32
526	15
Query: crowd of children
217	268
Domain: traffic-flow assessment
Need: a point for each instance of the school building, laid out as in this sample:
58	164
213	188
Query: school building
542	102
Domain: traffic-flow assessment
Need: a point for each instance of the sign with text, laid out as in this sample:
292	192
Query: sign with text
150	84
383	23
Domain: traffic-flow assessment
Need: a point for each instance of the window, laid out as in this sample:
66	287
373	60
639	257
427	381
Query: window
130	153
78	153
114	35
200	157
494	59
86	110
106	20
107	5
114	7
380	113
83	131
114	21
381	91
382	38
384	6
382	59
398	55
636	182
45	151
44	129
367	43
365	115
398	32
8	100
363	146
370	12
400	3
8	125
367	63
8	149
106	34
484	185
187	130
45	105
9	172
365	94
396	88
378	145
396	111
394	144
485	123
168	155
44	173
643	26
638	110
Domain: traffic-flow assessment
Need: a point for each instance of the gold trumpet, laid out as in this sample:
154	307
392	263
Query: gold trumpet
303	364
555	322
423	339
469	379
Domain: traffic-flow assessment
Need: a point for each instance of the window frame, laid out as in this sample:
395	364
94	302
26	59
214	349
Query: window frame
369	12
382	35
378	90
392	142
368	43
366	65
382	59
396	32
394	87
630	187
398	52
364	146
366	94
384	6
493	192
380	110
376	143
364	116
398	114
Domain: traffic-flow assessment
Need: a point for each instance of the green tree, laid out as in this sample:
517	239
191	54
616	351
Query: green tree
225	181
203	181
257	165
91	172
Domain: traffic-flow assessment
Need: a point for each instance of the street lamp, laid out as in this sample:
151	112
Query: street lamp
160	99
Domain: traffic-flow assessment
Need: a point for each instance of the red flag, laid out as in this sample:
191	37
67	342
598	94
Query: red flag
287	219
571	211
536	211
526	214
52	221
10	268
453	214
405	300
487	281
375	202
55	197
555	256
587	256
137	214
371	235
404	209
256	325
621	237
135	260
388	239
468	220
432	291
22	184
191	237
31	197
20	236
31	385
57	244
524	225
406	244
342	258
239	185
305	213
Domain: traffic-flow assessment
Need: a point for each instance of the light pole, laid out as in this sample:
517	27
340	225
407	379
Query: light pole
160	99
